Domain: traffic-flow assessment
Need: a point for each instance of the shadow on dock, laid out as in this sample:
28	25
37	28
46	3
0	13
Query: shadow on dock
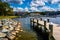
41	35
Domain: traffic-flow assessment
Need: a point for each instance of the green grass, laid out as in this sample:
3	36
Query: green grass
8	17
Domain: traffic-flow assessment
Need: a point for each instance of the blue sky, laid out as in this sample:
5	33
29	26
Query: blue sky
34	5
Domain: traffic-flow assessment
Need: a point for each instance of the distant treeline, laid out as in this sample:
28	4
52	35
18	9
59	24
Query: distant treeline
39	13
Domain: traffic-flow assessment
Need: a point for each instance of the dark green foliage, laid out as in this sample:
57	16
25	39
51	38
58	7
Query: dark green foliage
5	9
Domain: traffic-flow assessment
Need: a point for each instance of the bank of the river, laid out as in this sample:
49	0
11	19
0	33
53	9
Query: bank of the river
8	17
9	29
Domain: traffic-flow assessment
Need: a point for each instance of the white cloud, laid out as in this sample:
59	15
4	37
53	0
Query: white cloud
26	9
14	1
34	9
37	3
14	9
47	8
17	9
34	4
55	1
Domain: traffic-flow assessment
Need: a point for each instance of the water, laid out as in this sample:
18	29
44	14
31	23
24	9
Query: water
28	33
26	26
54	20
25	23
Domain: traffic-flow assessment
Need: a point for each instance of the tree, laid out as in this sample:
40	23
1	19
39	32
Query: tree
5	9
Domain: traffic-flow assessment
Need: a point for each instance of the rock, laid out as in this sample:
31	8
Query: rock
5	30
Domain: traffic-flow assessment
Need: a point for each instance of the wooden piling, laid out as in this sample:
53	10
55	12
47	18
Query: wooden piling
50	31
33	22
41	19
51	28
37	22
45	23
30	22
48	20
44	28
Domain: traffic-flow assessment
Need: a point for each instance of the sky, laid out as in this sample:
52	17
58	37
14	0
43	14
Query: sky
34	5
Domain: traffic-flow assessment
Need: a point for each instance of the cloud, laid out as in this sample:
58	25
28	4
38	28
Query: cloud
47	8
37	3
14	1
55	1
26	9
17	9
14	9
34	9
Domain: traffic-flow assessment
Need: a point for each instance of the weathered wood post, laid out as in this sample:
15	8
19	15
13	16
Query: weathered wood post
48	20
41	19
30	22
45	25
50	30
33	22
37	22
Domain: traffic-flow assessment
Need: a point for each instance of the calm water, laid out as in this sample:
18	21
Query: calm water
54	20
28	33
26	23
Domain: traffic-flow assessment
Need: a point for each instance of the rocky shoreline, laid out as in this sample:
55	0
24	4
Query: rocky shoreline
9	29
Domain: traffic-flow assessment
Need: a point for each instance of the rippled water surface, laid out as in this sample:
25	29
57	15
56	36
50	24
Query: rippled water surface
29	33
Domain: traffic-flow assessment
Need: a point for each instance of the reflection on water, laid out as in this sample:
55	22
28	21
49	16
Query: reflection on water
28	33
25	23
54	20
26	26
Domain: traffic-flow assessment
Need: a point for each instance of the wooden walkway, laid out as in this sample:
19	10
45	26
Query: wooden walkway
51	27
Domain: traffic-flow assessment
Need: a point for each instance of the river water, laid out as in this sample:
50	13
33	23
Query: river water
26	26
28	33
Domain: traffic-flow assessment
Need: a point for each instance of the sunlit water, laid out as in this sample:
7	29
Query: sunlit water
26	23
54	20
28	33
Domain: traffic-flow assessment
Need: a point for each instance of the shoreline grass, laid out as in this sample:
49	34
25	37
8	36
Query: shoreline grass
8	17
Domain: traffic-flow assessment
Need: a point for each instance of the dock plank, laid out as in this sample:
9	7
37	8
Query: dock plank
56	29
56	32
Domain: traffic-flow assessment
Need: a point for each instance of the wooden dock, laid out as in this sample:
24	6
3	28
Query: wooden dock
53	29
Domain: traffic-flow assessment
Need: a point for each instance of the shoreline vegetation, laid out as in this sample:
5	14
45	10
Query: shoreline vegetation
8	17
